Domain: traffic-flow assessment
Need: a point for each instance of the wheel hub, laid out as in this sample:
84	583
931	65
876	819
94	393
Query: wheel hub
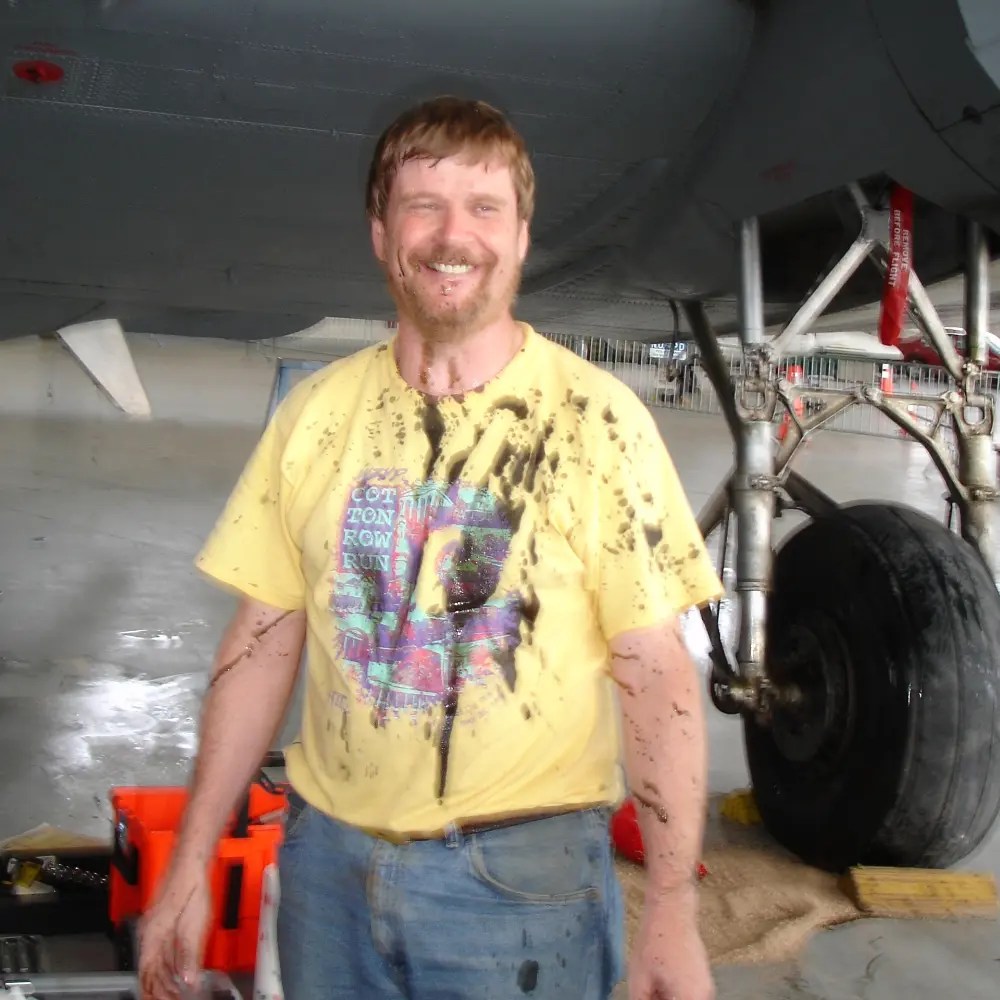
813	659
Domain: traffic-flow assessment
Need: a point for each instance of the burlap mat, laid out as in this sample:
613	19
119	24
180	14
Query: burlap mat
757	904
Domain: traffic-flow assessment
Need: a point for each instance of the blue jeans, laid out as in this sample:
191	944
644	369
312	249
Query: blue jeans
529	910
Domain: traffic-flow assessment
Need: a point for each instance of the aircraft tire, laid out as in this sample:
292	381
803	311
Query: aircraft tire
890	626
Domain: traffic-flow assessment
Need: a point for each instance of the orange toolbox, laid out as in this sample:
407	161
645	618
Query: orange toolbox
147	821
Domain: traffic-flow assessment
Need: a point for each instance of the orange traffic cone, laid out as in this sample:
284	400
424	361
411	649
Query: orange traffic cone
795	376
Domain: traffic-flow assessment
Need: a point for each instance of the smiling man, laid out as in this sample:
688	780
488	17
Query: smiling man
484	547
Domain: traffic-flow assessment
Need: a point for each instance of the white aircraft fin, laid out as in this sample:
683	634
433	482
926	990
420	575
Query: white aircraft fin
102	350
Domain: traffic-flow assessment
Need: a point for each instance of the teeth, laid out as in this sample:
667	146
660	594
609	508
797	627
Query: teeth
451	268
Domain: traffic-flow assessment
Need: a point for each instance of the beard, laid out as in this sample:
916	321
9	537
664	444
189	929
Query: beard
445	320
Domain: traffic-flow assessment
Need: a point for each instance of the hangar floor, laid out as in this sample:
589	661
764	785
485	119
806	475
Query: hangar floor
106	633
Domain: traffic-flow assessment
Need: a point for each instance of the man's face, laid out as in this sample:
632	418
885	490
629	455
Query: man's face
452	245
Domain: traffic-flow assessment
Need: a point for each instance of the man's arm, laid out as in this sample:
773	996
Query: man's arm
253	676
665	752
252	681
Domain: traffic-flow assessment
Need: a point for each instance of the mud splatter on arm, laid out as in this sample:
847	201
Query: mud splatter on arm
665	753
255	670
264	624
645	528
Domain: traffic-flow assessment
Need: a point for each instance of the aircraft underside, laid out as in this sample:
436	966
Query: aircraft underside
196	171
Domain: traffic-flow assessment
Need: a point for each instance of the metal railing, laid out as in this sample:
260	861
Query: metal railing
671	376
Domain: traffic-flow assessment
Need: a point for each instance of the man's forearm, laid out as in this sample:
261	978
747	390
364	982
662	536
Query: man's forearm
252	682
665	752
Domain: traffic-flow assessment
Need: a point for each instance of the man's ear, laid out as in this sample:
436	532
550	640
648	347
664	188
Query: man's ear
378	239
523	240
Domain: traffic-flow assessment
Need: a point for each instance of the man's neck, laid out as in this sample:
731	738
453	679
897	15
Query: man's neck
450	369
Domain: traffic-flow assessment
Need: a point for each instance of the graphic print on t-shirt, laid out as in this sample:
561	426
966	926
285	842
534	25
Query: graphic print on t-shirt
415	590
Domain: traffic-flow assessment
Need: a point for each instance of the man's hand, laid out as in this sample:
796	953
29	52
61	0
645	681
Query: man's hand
668	960
172	936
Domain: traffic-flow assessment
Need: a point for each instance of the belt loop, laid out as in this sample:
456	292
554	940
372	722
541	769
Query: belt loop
452	836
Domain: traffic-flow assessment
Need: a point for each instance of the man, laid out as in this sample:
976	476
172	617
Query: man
485	547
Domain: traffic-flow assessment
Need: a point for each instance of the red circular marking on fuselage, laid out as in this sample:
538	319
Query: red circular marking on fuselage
38	71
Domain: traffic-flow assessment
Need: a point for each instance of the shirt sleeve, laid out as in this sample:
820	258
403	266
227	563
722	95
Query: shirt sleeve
250	551
652	561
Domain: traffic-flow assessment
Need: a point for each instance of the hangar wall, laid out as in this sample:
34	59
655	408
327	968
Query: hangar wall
187	380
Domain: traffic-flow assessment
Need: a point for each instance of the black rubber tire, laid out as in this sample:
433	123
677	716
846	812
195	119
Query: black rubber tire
892	624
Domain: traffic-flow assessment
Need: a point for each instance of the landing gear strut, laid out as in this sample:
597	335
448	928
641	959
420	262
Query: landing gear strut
867	667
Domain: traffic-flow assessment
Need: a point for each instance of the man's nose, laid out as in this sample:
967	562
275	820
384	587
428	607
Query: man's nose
453	224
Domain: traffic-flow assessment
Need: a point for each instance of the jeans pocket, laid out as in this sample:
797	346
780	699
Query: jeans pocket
552	860
298	811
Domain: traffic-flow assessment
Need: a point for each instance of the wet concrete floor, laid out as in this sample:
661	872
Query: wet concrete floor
106	634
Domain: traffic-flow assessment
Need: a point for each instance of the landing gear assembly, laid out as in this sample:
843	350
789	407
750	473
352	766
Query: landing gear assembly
867	667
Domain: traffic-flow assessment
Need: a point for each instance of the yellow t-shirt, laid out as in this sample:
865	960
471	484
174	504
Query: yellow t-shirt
463	566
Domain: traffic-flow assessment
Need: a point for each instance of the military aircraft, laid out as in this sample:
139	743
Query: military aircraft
197	169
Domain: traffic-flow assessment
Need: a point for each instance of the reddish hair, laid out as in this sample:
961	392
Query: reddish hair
449	126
